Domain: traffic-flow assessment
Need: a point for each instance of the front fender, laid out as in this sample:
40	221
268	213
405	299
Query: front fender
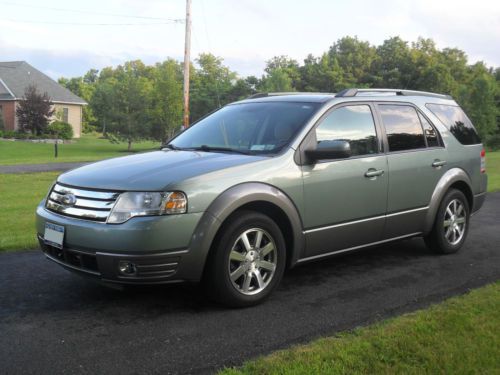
449	178
228	202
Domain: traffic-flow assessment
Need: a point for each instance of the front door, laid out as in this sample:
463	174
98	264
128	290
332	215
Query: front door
345	199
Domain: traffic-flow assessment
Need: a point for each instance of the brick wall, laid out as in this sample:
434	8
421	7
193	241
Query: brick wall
9	114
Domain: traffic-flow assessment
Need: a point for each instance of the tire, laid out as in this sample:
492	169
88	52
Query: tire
240	271
451	224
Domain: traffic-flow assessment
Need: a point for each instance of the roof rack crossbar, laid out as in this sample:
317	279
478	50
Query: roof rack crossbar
347	93
266	94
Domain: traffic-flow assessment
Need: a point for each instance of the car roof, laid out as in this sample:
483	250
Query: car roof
301	97
351	95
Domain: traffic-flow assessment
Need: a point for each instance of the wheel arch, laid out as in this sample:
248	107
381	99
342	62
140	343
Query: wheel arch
454	178
260	197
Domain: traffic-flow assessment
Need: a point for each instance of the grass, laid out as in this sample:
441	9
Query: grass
493	170
458	336
19	196
88	148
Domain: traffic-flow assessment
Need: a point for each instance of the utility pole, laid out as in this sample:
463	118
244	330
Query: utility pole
187	51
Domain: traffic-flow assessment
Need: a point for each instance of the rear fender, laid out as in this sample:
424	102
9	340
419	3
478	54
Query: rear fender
449	178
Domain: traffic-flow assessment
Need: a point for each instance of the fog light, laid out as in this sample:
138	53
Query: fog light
127	268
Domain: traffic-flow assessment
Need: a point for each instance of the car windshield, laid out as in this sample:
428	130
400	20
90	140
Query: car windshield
253	128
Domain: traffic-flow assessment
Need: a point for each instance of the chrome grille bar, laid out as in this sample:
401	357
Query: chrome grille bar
91	194
86	204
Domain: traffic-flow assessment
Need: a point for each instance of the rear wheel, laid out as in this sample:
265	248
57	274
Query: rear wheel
451	224
247	261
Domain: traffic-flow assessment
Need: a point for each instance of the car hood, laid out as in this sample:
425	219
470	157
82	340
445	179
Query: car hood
152	171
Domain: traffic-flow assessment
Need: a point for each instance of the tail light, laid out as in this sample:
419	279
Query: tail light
483	161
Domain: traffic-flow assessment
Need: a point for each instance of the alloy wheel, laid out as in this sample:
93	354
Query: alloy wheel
252	261
455	221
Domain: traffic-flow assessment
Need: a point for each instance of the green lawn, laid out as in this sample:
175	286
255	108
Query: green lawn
19	196
458	336
88	148
493	170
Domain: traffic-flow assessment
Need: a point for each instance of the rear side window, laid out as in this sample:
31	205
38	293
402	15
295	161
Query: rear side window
354	124
431	134
402	126
457	122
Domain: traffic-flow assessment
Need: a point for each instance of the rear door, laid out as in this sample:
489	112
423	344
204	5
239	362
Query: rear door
416	161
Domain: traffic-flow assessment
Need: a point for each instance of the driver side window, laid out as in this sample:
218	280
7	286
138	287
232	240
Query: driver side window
352	123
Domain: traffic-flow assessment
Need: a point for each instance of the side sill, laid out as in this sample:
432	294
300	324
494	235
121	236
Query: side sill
303	260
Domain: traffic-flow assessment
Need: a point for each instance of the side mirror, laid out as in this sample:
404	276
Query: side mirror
329	150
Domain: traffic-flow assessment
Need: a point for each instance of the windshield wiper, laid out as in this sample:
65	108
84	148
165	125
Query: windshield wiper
207	148
171	147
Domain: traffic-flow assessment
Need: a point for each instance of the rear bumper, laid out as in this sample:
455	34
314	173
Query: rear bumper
478	202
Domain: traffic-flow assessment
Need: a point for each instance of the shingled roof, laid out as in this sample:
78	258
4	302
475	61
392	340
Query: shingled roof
16	76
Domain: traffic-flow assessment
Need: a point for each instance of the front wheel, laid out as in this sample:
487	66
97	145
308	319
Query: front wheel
451	224
247	261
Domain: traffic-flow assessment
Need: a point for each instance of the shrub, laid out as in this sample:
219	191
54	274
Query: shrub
112	138
62	129
9	134
88	128
493	142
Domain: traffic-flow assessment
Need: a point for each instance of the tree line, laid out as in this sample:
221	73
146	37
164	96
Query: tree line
136	101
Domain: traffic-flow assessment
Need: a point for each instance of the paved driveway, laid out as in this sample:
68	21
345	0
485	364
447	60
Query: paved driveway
48	167
54	322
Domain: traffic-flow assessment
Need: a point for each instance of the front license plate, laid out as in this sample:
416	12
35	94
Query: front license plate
54	235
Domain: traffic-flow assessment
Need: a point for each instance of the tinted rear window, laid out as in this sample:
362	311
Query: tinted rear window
457	122
402	126
430	132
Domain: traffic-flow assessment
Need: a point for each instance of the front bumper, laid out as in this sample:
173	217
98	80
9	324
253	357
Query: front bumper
158	247
150	268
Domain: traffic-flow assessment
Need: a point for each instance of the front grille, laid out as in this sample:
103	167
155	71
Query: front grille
81	203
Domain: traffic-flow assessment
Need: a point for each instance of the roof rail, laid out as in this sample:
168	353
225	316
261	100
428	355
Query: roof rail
266	94
354	92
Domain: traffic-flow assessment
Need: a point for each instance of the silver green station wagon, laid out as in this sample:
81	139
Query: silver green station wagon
267	183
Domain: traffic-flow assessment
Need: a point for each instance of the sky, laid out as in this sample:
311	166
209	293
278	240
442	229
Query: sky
67	38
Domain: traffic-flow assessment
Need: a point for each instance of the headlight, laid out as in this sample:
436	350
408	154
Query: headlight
132	204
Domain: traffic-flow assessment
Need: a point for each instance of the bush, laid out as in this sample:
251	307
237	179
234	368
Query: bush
9	134
87	128
493	142
112	139
62	129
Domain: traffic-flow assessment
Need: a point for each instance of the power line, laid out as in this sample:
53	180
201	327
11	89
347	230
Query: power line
82	11
92	24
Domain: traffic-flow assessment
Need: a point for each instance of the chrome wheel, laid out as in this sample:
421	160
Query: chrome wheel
252	261
455	221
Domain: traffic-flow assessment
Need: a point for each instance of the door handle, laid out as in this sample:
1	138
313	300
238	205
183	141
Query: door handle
370	173
438	163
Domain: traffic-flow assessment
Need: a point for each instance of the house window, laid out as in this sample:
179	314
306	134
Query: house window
65	114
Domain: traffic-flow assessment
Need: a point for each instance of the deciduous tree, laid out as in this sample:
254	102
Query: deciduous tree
34	111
